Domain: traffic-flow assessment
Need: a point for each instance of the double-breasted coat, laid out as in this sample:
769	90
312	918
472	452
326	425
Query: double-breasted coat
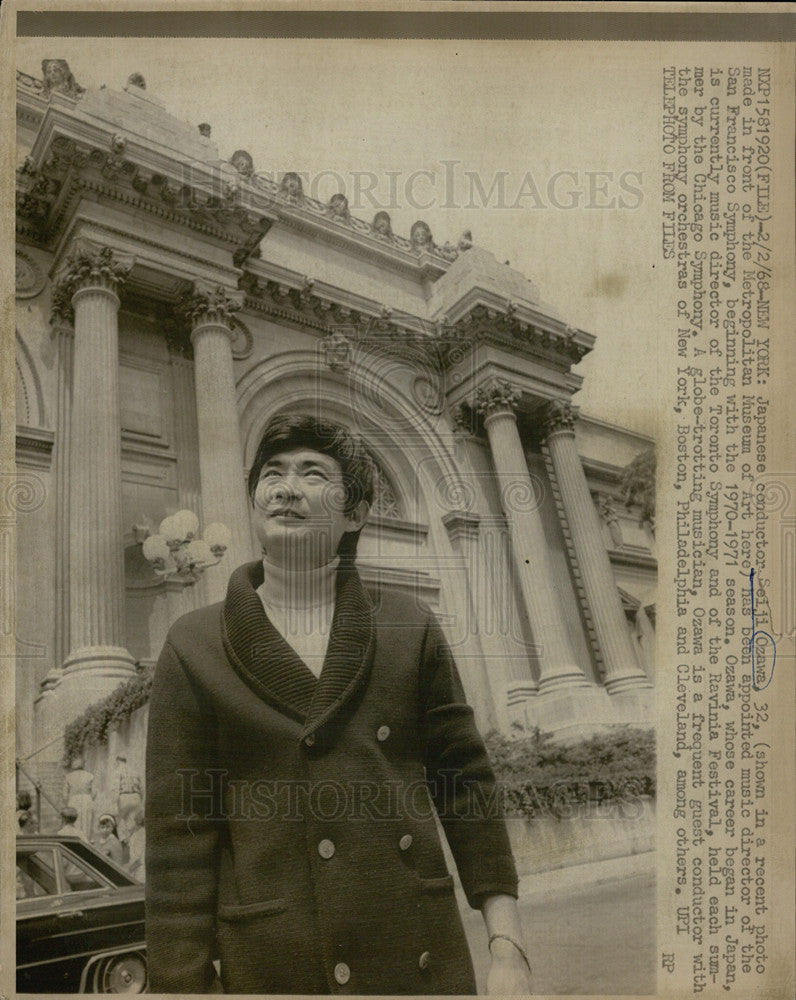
290	819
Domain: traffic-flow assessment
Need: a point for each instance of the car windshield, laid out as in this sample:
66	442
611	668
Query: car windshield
64	866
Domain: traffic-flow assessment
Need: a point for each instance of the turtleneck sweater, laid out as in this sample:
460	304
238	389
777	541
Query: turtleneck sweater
300	605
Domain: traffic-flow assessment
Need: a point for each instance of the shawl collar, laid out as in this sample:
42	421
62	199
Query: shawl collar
273	669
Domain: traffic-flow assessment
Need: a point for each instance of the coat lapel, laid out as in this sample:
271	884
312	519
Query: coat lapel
349	655
265	660
273	669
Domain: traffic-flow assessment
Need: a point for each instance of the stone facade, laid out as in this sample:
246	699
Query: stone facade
170	303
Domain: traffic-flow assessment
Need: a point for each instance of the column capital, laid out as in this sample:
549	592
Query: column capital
496	396
210	304
559	415
461	525
88	266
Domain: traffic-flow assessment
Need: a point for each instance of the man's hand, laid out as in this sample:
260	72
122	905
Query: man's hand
508	972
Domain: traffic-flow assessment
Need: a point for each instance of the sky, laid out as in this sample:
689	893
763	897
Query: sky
547	153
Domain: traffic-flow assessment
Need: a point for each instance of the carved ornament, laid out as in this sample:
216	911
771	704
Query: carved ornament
87	267
337	349
420	237
497	396
59	79
560	415
485	323
210	304
242	161
338	208
30	278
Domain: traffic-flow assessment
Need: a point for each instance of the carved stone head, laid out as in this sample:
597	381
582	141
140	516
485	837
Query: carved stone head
382	224
338	207
291	186
136	80
242	162
58	77
420	236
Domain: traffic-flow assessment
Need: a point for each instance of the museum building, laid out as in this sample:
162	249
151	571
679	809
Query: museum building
170	301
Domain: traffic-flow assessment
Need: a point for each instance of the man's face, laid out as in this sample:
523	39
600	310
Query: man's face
298	509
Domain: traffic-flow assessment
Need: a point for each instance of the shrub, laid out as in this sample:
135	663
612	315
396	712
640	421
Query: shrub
638	485
539	774
93	727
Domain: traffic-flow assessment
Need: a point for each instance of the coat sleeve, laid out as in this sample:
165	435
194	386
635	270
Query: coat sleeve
182	832
460	778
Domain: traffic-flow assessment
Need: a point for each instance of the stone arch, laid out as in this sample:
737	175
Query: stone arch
294	381
30	398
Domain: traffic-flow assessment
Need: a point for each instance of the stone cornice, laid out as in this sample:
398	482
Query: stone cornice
516	329
176	268
637	559
602	472
335	312
283	294
122	169
461	525
216	198
397	527
34	447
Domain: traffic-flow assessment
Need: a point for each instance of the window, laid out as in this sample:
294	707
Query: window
36	874
78	878
385	502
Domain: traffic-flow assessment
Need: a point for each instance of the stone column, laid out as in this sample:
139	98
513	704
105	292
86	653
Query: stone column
63	332
622	672
559	671
98	660
189	486
209	311
462	528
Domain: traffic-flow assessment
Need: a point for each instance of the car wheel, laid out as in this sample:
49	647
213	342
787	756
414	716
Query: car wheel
121	974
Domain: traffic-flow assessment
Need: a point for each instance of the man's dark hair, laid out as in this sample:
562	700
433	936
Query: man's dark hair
287	433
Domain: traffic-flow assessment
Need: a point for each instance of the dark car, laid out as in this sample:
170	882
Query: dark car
80	920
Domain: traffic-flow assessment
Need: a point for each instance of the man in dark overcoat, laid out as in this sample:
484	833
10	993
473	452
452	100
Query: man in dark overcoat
303	737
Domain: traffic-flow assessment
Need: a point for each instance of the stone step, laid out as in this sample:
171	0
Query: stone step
49	775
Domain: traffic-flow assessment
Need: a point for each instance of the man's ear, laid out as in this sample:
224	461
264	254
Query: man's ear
358	516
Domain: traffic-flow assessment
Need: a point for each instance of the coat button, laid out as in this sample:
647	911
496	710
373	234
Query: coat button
310	740
424	959
382	733
405	842
342	973
326	848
